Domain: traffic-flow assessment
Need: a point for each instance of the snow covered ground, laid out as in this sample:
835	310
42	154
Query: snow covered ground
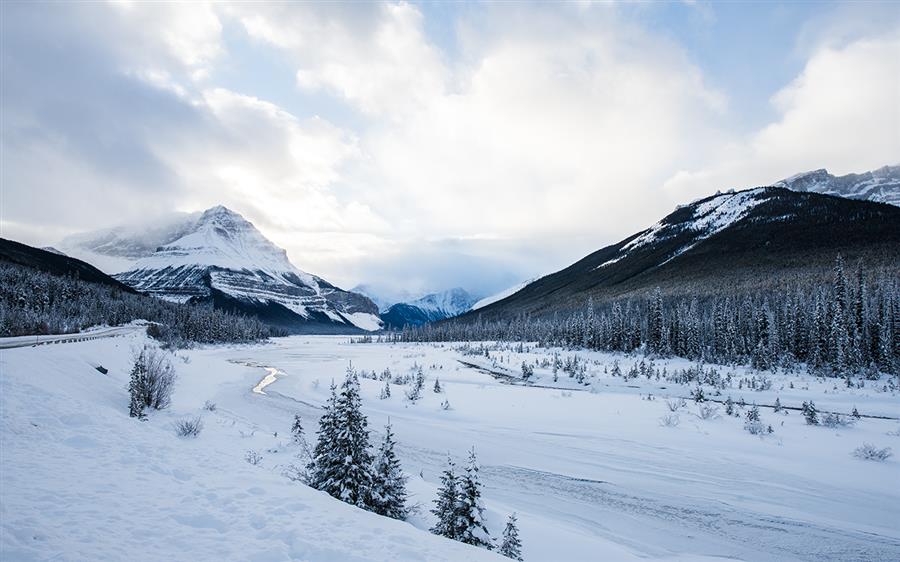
590	470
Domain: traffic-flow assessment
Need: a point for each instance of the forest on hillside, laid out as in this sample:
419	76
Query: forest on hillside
848	327
37	302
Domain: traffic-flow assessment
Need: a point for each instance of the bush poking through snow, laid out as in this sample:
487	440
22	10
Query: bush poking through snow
253	457
708	412
669	420
756	427
152	381
869	452
445	405
209	406
836	420
189	427
674	405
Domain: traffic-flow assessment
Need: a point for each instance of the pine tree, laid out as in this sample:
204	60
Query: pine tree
437	386
470	511
445	505
324	461
388	495
778	406
511	547
342	461
753	414
386	391
297	430
810	413
136	390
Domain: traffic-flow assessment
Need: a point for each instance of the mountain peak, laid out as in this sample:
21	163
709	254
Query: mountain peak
881	185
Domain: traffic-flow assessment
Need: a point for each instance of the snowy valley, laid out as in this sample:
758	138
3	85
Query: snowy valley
594	470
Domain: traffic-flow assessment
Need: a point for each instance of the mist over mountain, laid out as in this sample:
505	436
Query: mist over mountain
218	256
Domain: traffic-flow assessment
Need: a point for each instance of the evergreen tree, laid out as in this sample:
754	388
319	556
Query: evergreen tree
297	430
753	414
810	413
511	547
324	461
470	514
342	461
386	391
437	386
445	505
136	390
388	481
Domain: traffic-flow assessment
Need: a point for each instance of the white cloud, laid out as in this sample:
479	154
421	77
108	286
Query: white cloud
378	59
842	112
548	132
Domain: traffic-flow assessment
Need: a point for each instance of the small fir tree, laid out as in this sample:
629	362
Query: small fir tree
388	480
297	430
511	547
445	505
470	515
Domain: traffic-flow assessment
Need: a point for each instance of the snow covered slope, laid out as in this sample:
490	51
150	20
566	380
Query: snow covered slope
430	308
80	480
501	295
881	185
223	258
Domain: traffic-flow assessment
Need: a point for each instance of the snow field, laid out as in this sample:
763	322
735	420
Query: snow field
590	470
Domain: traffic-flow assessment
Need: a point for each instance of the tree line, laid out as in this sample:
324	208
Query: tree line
848	327
37	302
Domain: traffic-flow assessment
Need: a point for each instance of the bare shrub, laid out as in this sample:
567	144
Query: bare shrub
253	457
675	405
189	427
756	427
669	420
708	412
152	381
869	452
209	406
836	420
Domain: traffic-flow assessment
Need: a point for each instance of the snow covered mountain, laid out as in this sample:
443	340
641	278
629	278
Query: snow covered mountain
729	242
220	257
881	185
430	308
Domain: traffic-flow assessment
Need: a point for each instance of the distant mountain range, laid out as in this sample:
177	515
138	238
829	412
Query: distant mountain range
732	241
430	308
218	256
881	185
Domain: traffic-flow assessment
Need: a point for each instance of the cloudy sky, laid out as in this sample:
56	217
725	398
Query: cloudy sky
427	145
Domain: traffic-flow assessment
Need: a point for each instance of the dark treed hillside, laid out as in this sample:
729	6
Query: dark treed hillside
44	293
785	237
768	277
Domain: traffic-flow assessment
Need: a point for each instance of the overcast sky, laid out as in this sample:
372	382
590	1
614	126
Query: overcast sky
423	146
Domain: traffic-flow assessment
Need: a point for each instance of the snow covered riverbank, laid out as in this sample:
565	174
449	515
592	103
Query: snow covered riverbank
592	474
